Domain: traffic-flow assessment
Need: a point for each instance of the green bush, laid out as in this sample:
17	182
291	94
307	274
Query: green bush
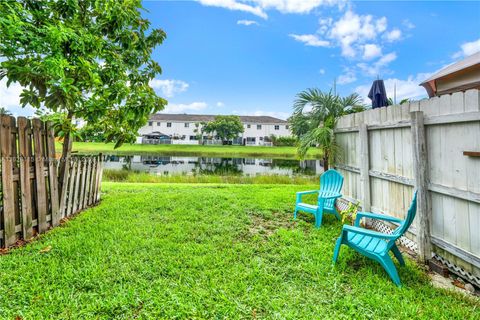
284	141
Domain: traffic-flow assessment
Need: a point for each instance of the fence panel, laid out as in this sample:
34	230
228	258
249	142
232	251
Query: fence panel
451	126
30	199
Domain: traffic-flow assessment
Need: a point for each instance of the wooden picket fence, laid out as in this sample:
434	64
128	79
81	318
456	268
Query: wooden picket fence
31	201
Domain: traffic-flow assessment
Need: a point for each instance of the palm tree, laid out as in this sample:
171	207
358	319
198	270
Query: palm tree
5	112
315	127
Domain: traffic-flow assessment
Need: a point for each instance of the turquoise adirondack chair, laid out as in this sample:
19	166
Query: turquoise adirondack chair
331	183
376	245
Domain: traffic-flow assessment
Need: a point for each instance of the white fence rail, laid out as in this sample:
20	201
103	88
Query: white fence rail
387	152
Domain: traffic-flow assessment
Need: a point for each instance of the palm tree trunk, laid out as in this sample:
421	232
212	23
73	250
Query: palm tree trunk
325	159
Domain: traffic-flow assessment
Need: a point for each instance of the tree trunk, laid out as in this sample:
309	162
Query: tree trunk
325	160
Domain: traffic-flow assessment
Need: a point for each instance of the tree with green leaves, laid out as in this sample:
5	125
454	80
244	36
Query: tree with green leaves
314	118
224	127
5	112
89	59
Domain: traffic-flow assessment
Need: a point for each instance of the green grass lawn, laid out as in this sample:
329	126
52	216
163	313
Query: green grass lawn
175	149
198	251
123	175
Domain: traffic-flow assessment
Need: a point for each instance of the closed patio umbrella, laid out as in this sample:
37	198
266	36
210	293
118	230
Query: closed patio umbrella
378	94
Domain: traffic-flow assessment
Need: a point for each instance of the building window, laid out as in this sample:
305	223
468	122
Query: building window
277	127
187	124
193	138
150	123
248	126
261	138
286	127
169	124
158	123
259	127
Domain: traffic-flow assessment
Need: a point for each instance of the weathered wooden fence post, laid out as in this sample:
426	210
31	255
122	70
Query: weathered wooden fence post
364	167
420	168
8	194
25	152
52	175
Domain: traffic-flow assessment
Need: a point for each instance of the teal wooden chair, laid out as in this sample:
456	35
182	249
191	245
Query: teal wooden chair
331	182
376	245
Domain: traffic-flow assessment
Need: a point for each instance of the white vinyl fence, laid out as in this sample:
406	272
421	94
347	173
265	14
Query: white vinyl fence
431	145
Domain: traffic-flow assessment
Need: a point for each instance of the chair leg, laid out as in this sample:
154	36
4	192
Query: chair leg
398	255
336	252
295	213
318	218
389	266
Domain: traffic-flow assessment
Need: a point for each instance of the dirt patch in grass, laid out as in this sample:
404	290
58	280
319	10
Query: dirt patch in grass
265	227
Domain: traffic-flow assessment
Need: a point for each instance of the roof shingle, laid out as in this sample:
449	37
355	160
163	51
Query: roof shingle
208	117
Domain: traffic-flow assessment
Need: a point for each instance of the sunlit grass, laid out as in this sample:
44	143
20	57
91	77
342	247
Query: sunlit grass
203	251
143	177
197	150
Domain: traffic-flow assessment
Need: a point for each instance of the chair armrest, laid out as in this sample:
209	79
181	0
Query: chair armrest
377	216
301	193
307	192
367	232
326	197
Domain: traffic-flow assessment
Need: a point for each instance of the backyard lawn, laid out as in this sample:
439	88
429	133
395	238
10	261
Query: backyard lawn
198	150
207	251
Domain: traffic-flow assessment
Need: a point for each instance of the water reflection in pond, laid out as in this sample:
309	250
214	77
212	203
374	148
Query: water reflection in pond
171	165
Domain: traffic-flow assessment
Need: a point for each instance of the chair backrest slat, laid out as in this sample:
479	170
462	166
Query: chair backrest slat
412	211
331	180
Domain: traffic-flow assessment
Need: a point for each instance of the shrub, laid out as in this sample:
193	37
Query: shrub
284	141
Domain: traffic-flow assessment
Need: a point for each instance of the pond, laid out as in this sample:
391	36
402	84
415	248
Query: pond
194	165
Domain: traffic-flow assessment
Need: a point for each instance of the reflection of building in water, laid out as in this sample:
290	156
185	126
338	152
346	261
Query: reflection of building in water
165	165
312	165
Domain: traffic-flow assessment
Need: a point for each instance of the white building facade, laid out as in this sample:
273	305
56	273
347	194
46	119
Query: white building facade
186	129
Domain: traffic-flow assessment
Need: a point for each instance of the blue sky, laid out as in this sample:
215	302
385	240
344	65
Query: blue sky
253	56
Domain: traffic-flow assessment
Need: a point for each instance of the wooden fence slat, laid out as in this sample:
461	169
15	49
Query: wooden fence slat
64	179
9	236
53	176
71	188
39	176
92	180
76	192
87	182
25	152
99	179
82	184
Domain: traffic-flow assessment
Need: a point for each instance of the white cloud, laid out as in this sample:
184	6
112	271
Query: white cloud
259	7
310	40
467	49
295	6
247	22
371	51
353	29
348	77
406	88
375	68
10	99
169	88
393	35
236	5
321	71
408	24
181	108
220	104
